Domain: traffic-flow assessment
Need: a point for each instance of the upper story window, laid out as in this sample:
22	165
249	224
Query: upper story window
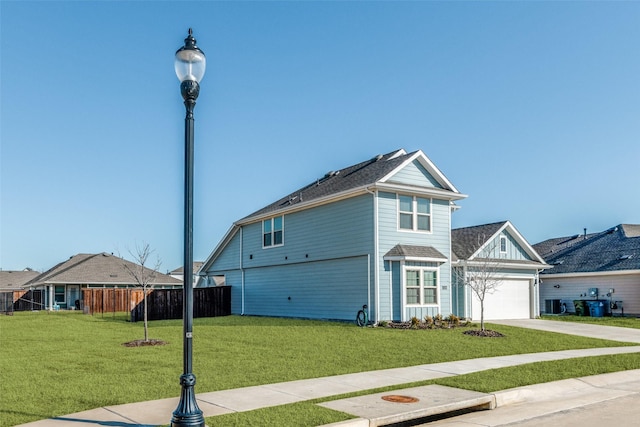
503	244
273	232
414	213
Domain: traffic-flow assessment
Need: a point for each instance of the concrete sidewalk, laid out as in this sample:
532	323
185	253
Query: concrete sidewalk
159	412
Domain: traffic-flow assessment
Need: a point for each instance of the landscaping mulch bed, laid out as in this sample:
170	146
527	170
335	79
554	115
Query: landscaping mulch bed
444	324
486	333
143	343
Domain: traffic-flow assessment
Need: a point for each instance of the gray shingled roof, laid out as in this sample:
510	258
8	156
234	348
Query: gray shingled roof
467	240
101	268
548	246
15	279
335	182
180	270
415	251
615	249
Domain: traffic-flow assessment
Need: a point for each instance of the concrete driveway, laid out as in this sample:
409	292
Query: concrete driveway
580	329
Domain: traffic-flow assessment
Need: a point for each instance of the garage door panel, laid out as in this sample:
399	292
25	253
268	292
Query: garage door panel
511	300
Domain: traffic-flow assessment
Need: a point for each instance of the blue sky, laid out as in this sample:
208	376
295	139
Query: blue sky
530	108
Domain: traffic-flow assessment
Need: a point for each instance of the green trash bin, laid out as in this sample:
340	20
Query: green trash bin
581	307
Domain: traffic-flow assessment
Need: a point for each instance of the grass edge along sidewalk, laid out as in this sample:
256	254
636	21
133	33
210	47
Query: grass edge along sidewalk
309	413
60	363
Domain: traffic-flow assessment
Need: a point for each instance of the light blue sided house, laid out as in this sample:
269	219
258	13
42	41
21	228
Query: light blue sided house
375	233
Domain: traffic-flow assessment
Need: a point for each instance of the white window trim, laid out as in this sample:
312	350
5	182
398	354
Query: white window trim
415	214
422	270
272	232
503	239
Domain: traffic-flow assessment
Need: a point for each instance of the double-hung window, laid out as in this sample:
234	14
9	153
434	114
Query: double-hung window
421	286
273	232
414	213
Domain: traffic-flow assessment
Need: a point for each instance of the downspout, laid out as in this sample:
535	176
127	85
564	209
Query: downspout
451	269
368	284
536	295
241	273
467	292
376	265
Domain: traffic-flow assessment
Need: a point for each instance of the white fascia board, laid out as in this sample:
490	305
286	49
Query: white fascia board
437	193
216	251
486	242
496	264
429	166
519	238
590	274
414	258
523	242
63	282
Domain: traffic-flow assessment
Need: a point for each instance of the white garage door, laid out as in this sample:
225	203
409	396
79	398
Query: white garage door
511	300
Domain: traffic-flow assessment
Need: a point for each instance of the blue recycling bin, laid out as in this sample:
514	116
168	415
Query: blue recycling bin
596	308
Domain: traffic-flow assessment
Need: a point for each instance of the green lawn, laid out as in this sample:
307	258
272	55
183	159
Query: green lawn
624	322
309	414
63	362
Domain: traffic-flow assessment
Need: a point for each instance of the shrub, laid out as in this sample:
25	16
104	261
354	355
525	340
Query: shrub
453	320
429	321
415	322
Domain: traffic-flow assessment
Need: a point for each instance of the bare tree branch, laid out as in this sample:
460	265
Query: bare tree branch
142	275
480	274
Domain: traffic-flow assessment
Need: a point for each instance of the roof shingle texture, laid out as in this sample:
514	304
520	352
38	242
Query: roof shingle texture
99	268
415	251
15	279
613	250
335	182
466	241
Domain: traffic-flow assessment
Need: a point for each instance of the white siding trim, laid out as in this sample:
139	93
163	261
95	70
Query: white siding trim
376	262
241	272
590	273
436	193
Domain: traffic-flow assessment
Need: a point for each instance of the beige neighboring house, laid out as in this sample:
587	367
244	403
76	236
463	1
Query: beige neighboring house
599	267
63	284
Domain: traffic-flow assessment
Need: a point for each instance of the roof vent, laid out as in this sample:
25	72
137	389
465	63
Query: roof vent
377	158
331	173
559	262
623	257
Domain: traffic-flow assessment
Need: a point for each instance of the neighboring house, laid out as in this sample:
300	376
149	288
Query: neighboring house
62	284
608	261
11	283
178	273
500	253
375	233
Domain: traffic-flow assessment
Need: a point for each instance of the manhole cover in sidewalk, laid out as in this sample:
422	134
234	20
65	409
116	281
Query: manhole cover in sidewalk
396	398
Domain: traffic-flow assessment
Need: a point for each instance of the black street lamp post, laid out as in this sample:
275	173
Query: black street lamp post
190	64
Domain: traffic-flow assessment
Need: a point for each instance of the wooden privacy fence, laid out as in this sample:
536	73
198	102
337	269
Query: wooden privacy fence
108	300
167	304
161	303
